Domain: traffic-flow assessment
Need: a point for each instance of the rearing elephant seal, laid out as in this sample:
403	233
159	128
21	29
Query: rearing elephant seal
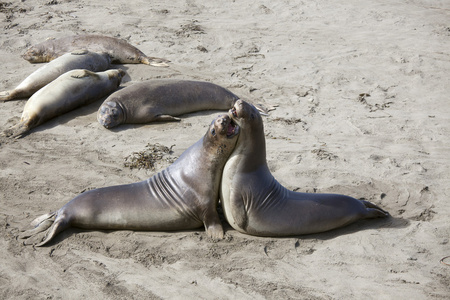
255	203
81	59
119	50
161	100
183	196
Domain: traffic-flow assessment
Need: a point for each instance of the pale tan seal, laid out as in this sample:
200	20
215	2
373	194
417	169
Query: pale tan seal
69	91
255	203
183	196
162	100
81	59
119	50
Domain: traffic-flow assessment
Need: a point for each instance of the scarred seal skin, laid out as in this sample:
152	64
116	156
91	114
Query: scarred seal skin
255	203
161	100
119	50
183	196
81	59
69	91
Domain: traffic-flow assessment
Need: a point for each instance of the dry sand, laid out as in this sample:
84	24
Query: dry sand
319	61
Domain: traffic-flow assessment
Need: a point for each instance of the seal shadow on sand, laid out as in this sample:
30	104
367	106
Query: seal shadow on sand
361	225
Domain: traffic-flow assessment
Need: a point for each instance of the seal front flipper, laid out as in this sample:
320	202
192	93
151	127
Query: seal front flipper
213	226
79	52
162	118
82	73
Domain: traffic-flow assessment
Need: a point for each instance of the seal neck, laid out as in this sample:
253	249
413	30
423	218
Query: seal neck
252	146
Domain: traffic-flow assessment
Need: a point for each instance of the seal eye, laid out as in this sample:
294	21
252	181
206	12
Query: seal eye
213	132
252	116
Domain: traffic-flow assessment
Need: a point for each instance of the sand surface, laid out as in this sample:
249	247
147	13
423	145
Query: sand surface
363	92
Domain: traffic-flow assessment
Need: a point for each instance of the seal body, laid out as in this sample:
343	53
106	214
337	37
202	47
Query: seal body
161	100
120	51
81	59
69	91
183	196
255	203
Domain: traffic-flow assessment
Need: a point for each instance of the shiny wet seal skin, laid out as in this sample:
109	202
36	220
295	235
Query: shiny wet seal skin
255	203
162	100
181	197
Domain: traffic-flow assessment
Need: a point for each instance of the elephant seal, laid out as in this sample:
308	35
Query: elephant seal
255	203
81	59
119	50
183	196
67	92
161	100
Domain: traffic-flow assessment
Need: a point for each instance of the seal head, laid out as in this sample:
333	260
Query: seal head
111	114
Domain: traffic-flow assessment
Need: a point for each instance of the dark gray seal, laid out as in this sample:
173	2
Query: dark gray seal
183	196
81	59
119	50
255	203
161	100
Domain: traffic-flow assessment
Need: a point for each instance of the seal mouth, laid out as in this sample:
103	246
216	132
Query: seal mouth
232	129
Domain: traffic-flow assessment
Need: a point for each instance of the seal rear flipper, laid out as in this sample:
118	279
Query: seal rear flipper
44	225
155	61
162	118
264	110
373	211
14	94
59	225
16	131
39	224
7	95
42	218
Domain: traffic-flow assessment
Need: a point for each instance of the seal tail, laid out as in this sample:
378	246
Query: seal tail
155	61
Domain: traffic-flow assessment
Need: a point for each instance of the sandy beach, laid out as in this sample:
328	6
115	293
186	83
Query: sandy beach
362	89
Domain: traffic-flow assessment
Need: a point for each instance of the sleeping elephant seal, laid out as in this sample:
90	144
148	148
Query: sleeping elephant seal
81	59
67	92
161	100
255	203
183	196
119	50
